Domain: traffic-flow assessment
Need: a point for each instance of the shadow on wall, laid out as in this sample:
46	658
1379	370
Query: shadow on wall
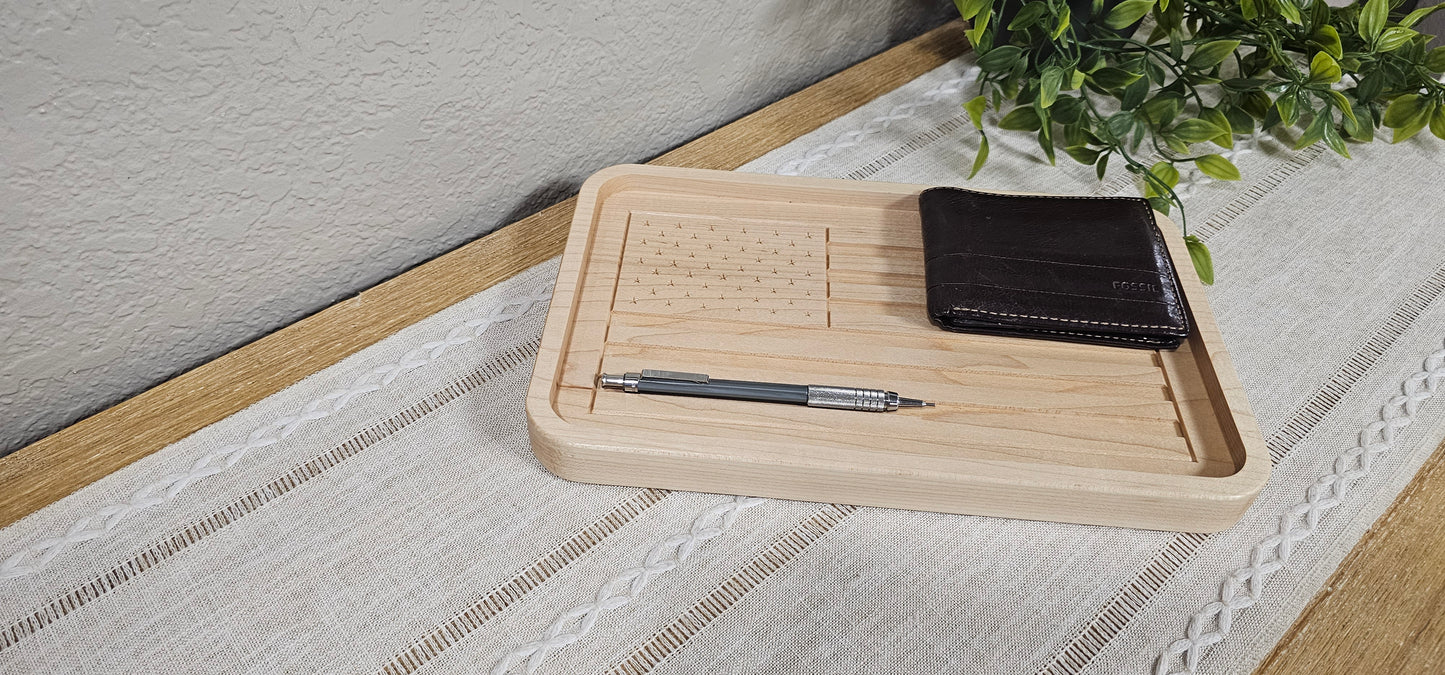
181	179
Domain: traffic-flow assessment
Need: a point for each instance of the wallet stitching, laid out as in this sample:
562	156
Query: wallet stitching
1056	318
1046	262
1064	293
1103	337
1175	309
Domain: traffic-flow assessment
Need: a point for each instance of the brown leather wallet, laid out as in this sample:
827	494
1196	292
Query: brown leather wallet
1079	269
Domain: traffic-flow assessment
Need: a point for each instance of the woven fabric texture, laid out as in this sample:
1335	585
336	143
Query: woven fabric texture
386	514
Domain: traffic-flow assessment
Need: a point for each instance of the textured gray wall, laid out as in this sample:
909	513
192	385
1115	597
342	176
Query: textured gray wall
178	179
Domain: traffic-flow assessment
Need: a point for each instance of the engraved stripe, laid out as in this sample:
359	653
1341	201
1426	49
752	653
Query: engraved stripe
1121	608
259	497
432	644
723	596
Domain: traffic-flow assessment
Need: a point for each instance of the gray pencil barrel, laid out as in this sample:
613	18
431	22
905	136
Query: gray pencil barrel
740	390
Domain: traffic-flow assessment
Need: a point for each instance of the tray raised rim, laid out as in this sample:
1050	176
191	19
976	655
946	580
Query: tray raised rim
580	450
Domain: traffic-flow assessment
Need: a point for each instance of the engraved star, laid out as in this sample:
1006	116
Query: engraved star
634	301
790	282
654	291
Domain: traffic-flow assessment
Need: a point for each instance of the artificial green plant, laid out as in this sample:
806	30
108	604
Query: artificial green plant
1105	91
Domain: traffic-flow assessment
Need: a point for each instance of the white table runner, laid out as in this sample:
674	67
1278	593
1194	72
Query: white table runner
386	515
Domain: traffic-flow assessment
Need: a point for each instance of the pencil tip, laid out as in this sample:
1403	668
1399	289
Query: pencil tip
913	403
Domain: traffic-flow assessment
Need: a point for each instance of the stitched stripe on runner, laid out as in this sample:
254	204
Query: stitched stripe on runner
250	503
458	627
1125	603
723	596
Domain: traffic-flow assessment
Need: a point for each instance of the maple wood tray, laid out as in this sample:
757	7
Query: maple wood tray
821	282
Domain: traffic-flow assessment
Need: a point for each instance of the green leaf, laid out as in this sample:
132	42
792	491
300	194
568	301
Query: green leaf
1410	129
1314	132
1049	83
1120	124
1403	111
1364	130
1159	204
981	157
1288	109
1329	40
1324	69
1028	16
1102	167
1435	60
1218	167
1395	37
1211	54
1126	13
1214	116
975	110
1134	94
1162	109
1066	110
1046	141
1176	45
1240	121
1343	104
1372	19
1064	17
1083	155
1288	10
1113	78
1256	103
1248	8
1163	172
1414	17
1332	139
1437	123
1199	255
980	24
1196	131
1022	118
1000	59
967	9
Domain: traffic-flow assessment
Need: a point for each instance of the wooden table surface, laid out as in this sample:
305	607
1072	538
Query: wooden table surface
1383	610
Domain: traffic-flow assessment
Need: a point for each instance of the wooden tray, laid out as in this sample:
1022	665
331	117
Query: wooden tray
821	282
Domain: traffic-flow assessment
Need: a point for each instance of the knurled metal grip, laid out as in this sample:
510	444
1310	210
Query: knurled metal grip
851	398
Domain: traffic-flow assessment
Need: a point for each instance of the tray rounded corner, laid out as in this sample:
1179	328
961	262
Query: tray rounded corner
548	433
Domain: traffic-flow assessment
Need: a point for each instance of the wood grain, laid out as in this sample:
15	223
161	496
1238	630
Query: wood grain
732	274
1383	610
76	456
